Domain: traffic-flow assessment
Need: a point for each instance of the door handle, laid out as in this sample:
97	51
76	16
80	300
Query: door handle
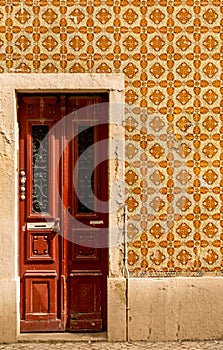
56	225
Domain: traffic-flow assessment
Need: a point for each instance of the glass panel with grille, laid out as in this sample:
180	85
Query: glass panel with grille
85	167
40	155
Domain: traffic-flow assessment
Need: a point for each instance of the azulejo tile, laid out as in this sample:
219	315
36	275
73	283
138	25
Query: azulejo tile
170	52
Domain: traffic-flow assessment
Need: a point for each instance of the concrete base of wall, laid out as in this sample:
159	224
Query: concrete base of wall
116	309
9	322
176	308
166	309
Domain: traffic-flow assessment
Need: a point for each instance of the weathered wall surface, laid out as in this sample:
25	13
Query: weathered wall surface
9	282
175	308
171	55
170	52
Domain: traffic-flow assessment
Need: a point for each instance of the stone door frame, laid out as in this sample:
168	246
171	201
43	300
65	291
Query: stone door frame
11	84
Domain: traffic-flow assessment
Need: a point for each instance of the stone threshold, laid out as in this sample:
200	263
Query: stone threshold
61	337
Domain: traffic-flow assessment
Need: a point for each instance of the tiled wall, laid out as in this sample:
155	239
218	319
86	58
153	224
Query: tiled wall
171	53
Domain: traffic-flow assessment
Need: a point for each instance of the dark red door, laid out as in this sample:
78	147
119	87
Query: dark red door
63	212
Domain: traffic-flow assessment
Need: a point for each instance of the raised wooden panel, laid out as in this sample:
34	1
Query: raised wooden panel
86	243
85	300
40	246
40	106
40	296
40	289
40	304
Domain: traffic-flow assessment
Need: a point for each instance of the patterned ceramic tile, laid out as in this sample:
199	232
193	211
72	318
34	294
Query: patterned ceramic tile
171	53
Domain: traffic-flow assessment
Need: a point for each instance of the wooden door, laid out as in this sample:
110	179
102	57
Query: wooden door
62	228
87	250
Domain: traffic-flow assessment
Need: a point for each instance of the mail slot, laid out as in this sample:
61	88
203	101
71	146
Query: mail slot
40	226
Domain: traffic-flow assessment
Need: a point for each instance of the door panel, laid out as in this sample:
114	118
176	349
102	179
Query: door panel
39	246
40	301
87	244
63	261
86	310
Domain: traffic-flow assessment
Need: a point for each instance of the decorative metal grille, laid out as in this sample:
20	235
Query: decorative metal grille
40	197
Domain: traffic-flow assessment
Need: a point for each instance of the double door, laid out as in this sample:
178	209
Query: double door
63	193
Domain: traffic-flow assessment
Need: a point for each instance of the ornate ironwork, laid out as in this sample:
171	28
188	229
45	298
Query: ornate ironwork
40	197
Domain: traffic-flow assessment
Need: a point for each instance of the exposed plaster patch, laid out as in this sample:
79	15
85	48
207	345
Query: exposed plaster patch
5	143
120	292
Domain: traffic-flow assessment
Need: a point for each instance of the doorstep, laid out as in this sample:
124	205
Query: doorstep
61	337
